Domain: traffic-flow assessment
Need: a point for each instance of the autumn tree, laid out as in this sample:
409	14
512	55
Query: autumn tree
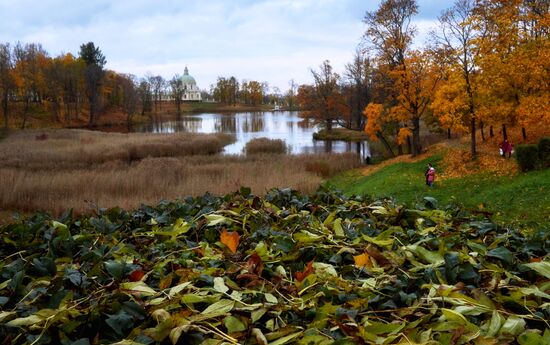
390	32
327	103
30	60
390	29
95	61
458	35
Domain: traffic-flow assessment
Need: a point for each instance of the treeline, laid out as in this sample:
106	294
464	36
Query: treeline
76	90
487	64
252	92
65	86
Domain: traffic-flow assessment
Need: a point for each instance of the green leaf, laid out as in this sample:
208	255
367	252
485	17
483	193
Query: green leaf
502	254
215	219
513	326
116	269
270	298
495	324
25	321
219	285
233	324
286	339
337	227
426	255
219	308
138	287
542	268
531	338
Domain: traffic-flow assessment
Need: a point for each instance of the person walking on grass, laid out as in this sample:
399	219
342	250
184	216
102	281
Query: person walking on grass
430	175
506	148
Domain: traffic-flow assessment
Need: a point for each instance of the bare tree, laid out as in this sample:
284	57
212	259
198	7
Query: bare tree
359	76
176	86
6	80
130	97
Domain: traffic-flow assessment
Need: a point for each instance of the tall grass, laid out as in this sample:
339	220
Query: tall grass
86	170
265	145
72	149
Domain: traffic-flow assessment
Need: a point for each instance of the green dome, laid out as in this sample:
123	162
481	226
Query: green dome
187	79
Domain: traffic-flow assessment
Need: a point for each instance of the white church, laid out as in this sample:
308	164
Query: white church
191	90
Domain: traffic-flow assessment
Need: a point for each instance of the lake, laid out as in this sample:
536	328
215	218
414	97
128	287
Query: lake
286	125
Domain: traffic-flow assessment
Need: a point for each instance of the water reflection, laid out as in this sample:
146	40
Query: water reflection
295	131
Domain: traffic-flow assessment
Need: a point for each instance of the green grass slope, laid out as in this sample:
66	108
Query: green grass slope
522	199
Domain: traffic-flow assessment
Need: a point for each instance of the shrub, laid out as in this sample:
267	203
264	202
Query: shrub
544	151
527	157
265	145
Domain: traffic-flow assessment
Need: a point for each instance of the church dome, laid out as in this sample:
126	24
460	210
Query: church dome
187	79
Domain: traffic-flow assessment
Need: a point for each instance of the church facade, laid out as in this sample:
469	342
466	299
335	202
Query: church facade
191	92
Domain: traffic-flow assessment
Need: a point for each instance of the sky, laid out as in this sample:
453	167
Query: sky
264	40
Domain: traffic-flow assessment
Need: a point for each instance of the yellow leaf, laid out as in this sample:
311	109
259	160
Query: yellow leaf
230	239
362	260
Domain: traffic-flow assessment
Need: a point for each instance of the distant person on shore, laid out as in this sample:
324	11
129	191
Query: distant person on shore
506	148
430	175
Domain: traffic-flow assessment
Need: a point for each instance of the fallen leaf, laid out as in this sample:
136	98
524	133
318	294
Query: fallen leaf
362	260
136	275
307	271
230	239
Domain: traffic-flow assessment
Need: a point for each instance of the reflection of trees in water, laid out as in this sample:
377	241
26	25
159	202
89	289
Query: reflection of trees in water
253	124
190	124
306	124
226	124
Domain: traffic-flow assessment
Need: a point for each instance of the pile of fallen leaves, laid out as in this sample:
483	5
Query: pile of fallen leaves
280	269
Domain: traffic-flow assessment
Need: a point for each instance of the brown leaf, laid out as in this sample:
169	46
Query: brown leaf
230	239
255	265
136	275
300	276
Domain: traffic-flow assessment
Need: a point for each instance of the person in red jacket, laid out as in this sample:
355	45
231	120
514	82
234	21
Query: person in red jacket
430	175
506	148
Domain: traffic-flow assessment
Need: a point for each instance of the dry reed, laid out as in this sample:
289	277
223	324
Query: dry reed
265	145
44	175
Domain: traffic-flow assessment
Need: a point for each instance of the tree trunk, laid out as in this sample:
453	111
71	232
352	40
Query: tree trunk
410	146
504	134
417	147
385	142
329	124
473	136
448	133
481	128
5	109
25	113
491	133
523	133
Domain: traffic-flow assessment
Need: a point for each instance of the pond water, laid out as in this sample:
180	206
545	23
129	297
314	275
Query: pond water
287	125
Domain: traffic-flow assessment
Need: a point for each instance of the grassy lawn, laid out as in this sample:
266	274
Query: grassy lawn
521	200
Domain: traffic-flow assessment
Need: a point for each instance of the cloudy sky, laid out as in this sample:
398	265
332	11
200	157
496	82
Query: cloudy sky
264	40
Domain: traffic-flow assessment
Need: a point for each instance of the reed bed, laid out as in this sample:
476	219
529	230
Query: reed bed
73	149
44	175
265	145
